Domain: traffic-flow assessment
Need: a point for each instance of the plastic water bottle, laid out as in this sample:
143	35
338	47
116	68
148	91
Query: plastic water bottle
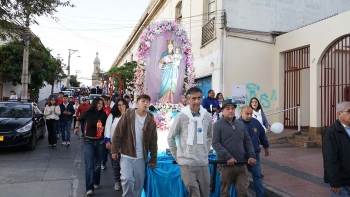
99	129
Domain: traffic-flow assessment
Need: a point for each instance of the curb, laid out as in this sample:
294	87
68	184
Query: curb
269	190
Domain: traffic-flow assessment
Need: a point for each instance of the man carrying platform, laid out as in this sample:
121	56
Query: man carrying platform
231	141
193	126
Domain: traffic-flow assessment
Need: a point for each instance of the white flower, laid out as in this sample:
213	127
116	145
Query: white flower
148	44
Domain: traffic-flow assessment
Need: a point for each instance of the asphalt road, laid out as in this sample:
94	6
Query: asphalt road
48	172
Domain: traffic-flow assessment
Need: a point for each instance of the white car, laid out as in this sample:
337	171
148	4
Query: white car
92	96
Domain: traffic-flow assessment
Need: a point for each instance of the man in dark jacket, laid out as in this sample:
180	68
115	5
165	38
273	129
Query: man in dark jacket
67	111
211	104
257	134
336	152
231	141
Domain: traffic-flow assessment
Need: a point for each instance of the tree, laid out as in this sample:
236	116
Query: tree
57	75
42	66
73	81
127	71
13	12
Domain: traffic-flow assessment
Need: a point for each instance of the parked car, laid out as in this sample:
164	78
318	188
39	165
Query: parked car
21	124
68	92
54	95
92	96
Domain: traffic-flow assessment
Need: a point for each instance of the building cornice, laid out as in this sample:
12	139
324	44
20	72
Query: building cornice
151	10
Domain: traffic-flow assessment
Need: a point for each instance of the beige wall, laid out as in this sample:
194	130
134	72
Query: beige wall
318	36
249	62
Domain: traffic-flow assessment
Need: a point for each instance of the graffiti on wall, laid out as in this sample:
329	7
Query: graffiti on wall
265	98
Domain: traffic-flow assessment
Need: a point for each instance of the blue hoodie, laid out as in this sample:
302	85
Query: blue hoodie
210	101
257	134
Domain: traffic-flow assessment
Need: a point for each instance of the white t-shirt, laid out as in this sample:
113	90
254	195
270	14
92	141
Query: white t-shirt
13	98
111	125
139	123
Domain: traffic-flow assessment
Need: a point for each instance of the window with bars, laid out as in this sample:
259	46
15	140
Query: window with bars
178	12
211	9
208	30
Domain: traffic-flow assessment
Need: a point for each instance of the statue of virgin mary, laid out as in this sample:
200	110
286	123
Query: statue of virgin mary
169	74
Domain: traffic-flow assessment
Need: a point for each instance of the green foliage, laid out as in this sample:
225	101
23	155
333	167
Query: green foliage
41	66
127	71
13	11
74	81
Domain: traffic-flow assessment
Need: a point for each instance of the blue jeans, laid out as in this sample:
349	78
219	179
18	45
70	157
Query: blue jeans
65	128
93	151
256	173
345	192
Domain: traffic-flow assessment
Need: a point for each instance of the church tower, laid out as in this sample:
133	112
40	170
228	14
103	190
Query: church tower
95	79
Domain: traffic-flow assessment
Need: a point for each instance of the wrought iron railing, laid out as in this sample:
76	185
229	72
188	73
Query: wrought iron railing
208	31
292	108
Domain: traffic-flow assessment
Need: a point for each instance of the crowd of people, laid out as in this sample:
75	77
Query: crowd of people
126	133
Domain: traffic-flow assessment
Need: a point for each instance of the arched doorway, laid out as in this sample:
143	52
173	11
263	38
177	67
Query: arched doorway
335	78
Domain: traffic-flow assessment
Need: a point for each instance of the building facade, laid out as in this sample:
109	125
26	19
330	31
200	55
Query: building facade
255	44
96	80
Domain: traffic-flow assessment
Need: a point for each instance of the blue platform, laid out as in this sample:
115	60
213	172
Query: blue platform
165	180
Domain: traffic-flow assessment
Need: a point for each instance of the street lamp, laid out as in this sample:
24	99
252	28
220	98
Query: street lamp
71	52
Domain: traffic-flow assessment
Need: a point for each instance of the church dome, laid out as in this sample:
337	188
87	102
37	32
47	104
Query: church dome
97	60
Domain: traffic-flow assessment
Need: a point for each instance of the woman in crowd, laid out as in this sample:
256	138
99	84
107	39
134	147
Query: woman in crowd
220	98
52	112
95	119
116	113
75	106
258	113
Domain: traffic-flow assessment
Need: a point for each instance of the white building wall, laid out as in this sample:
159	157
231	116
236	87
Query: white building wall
45	92
280	15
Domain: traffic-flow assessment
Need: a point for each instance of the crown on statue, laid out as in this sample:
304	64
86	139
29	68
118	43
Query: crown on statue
170	41
177	47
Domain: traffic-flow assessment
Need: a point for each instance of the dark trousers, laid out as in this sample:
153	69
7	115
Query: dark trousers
82	126
105	155
51	129
74	121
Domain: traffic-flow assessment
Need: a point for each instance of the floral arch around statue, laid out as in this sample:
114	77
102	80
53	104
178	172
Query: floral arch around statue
165	66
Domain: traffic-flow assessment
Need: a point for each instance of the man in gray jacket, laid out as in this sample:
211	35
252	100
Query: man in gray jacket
193	126
231	141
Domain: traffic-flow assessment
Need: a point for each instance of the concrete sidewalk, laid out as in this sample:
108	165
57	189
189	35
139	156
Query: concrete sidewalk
293	171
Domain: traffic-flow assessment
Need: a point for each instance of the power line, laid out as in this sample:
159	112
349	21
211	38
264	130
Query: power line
104	19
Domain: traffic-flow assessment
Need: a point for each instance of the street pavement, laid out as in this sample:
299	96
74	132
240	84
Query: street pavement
49	172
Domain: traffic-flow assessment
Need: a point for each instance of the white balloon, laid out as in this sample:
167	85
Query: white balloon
277	127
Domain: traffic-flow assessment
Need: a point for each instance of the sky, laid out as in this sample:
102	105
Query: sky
91	26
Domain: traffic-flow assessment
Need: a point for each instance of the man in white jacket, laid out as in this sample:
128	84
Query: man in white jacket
193	126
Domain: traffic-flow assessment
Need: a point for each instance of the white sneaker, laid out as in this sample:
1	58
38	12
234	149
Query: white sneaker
90	192
68	143
96	186
117	186
64	143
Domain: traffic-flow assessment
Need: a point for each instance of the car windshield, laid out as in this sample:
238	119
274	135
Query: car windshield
94	96
15	110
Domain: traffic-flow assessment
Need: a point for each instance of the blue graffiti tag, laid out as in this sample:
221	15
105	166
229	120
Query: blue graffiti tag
265	100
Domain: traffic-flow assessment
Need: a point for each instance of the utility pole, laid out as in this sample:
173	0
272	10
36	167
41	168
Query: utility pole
71	52
24	79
